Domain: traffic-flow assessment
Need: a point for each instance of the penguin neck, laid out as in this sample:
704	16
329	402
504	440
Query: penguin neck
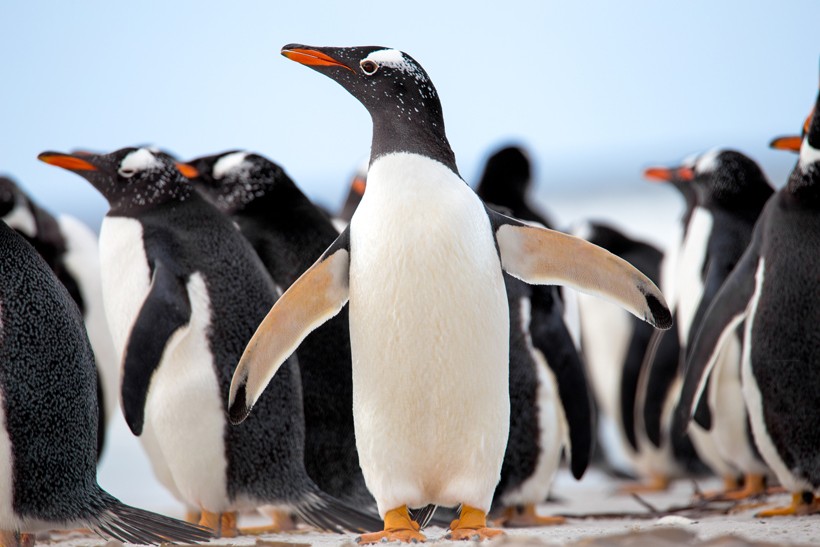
424	136
804	186
152	197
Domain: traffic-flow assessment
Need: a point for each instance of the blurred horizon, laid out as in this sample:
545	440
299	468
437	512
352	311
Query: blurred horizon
595	91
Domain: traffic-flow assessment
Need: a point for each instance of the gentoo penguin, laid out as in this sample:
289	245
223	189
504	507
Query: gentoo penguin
421	265
506	181
731	190
773	292
183	292
288	232
550	408
49	412
70	249
614	345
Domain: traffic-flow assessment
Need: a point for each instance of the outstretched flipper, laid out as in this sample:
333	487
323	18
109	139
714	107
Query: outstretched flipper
546	257
164	311
727	311
318	295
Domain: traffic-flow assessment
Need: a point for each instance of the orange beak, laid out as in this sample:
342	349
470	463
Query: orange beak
65	161
188	171
792	144
666	174
359	184
311	57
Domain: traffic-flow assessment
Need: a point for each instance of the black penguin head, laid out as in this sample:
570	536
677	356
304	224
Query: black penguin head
507	177
805	178
394	88
130	178
729	178
234	179
10	196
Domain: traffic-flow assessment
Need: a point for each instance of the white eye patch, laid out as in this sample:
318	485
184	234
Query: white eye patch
138	160
228	163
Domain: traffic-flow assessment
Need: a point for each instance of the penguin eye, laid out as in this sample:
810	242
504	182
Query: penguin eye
369	67
126	173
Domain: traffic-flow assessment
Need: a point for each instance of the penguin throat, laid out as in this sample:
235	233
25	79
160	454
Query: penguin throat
425	137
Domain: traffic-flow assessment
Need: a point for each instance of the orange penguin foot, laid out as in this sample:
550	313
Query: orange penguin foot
657	483
9	538
281	521
472	525
753	485
223	524
730	484
398	526
193	517
524	516
803	503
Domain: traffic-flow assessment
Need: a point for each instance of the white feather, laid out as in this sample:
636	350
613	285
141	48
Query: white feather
429	329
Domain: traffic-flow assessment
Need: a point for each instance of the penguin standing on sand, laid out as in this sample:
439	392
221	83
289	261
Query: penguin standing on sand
183	292
550	408
70	249
48	415
731	190
421	265
773	292
288	232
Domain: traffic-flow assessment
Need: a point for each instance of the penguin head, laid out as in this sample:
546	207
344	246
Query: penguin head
805	178
729	178
680	177
507	177
233	179
395	89
130	178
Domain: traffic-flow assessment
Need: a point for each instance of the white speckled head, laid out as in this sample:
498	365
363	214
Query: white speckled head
707	162
228	163
141	159
395	59
808	155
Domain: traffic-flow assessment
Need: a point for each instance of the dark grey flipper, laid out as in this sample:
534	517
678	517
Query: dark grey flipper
728	309
166	309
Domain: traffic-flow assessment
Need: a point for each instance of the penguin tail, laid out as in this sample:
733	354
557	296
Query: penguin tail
131	525
327	513
426	516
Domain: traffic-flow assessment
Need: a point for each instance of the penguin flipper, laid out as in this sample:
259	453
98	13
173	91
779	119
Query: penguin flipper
727	311
547	257
550	336
165	309
318	295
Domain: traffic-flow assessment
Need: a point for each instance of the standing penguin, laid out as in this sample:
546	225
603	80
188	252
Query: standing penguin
288	232
70	249
183	292
550	409
48	415
421	264
731	190
773	292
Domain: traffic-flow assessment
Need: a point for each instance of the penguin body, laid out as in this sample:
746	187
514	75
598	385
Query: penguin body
288	232
70	249
181	308
731	191
421	266
49	412
773	293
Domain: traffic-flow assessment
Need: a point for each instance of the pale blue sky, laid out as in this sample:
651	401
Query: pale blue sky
596	89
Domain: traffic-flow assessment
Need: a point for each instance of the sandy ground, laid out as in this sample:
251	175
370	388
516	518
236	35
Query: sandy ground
594	495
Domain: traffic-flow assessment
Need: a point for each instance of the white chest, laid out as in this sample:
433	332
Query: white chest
690	269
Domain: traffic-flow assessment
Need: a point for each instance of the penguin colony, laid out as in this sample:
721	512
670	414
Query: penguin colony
444	350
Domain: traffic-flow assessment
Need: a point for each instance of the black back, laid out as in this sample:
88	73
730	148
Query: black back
49	393
289	234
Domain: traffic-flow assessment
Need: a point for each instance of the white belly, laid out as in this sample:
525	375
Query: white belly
754	401
8	520
429	328
552	426
183	430
690	268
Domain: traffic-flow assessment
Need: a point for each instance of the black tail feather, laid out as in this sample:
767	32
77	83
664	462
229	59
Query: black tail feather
131	525
327	513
